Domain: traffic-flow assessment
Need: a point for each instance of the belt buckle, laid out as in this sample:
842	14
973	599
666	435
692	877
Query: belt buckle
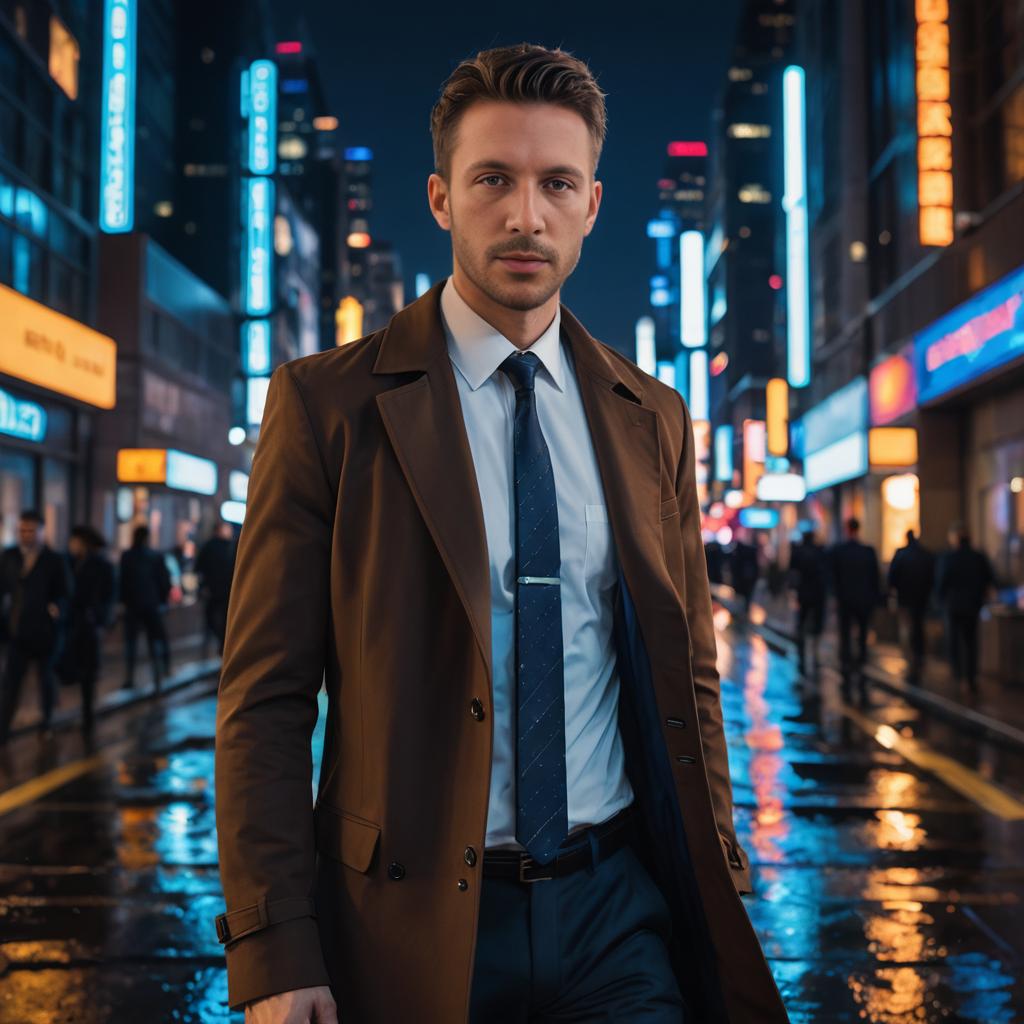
525	863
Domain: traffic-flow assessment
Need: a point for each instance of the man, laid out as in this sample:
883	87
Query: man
962	583
855	580
92	603
215	565
144	586
911	578
808	576
34	588
743	568
482	525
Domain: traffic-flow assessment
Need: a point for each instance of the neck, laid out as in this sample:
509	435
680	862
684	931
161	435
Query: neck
521	326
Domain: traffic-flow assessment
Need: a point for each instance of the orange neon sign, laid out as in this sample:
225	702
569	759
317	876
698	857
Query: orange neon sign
934	124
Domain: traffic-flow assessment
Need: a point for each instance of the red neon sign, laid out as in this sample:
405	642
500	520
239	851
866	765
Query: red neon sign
687	149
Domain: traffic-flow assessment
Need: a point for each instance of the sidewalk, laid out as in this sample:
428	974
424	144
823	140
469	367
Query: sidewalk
188	664
998	708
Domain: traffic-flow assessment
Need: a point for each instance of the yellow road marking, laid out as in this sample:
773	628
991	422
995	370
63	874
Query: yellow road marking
26	792
954	774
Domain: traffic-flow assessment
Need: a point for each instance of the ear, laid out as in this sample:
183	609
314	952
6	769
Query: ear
437	198
594	205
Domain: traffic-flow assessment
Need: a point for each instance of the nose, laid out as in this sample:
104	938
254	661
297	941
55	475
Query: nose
524	217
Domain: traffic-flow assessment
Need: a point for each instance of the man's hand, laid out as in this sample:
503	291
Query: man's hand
302	1006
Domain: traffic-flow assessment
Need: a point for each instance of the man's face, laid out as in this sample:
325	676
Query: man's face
29	532
519	199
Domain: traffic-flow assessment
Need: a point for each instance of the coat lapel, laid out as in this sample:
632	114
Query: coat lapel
423	420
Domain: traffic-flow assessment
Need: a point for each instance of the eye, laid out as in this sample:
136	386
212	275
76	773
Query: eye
491	179
560	181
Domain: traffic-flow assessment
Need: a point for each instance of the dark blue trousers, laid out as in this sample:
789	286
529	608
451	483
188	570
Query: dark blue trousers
584	949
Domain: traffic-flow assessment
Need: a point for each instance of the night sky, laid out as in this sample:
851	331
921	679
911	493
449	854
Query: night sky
662	66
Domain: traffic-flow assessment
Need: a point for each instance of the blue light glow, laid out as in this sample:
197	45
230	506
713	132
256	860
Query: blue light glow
667	373
238	485
759	518
261	80
842	413
256	399
645	347
692	325
794	203
358	153
723	453
422	284
659	281
660	297
191	473
117	120
233	512
842	460
256	348
258	262
660	229
22	419
698	379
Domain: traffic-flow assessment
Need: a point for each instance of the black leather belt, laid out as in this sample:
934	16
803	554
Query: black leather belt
608	837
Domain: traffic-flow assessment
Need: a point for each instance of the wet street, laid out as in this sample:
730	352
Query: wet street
887	852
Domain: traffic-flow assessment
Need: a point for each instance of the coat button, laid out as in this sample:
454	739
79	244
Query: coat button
396	871
686	759
476	709
676	723
470	856
463	885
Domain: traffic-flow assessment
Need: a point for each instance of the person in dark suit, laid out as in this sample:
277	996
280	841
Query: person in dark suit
34	588
808	576
215	565
92	603
912	577
144	587
744	569
855	581
962	582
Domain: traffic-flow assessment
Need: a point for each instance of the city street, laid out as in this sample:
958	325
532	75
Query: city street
887	863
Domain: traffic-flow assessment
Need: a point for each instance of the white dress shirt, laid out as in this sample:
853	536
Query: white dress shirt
596	782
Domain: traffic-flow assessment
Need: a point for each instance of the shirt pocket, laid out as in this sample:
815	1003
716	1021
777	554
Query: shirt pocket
598	564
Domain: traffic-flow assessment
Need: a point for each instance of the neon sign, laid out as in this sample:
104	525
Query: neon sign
22	419
691	289
256	348
117	125
259	107
934	124
259	208
794	203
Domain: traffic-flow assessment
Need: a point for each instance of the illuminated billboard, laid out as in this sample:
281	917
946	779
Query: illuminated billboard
723	453
117	119
893	388
697	384
167	466
934	124
258	262
256	348
692	325
794	203
978	336
259	108
22	419
845	459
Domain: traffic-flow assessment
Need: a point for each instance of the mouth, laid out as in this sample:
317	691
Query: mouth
522	263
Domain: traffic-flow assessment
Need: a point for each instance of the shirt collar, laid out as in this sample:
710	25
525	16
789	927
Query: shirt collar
478	349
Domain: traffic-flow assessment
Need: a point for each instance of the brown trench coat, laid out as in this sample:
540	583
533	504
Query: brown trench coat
363	556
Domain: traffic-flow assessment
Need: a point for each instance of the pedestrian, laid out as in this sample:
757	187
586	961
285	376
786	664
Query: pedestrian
715	558
855	581
144	588
461	526
963	580
92	604
215	565
744	569
34	588
912	578
808	576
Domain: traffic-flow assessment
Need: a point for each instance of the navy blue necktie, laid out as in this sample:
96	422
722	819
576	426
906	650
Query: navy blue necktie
541	804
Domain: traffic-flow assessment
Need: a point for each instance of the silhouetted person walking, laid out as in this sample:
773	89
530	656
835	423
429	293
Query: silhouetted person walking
912	577
855	579
808	576
743	570
145	585
963	580
92	603
215	566
34	588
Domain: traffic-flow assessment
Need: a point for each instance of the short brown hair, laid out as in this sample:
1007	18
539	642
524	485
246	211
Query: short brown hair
516	74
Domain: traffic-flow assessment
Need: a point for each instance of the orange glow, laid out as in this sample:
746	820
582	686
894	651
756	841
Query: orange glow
934	124
358	240
54	351
777	401
325	124
701	440
142	465
64	56
892	447
753	455
348	320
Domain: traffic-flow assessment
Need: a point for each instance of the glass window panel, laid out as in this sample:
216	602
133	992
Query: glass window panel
17	492
56	508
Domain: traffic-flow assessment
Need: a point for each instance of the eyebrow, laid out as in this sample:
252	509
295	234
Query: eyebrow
566	170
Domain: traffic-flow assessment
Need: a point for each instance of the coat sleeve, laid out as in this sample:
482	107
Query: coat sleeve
267	707
705	658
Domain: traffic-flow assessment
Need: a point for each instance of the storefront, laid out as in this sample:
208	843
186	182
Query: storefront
55	374
970	377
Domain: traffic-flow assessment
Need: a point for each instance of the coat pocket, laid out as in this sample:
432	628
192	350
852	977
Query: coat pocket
669	508
346	837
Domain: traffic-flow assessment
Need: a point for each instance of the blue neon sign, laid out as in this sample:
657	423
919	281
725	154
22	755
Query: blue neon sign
258	265
256	348
117	125
661	229
191	473
358	153
979	335
259	97
723	453
844	412
754	518
22	419
692	325
794	203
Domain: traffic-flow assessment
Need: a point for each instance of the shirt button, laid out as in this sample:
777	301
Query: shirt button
463	885
476	709
470	856
396	871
